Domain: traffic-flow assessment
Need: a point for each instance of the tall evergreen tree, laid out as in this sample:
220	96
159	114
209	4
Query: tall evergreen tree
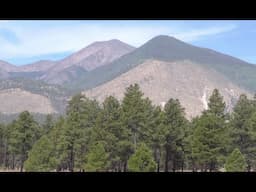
235	162
142	160
109	130
48	124
216	104
97	158
25	133
242	124
135	116
41	156
174	133
81	118
45	154
210	135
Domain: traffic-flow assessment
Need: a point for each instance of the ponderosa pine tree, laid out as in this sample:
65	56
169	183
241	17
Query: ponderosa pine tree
134	118
242	133
25	133
97	158
41	156
109	129
48	124
81	118
216	104
154	134
235	162
174	133
210	135
45	154
142	160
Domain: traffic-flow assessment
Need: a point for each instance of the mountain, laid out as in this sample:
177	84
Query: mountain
165	67
32	71
20	83
183	80
91	57
7	66
169	49
42	65
32	95
18	100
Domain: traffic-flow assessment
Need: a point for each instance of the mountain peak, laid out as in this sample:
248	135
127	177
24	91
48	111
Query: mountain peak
165	39
108	42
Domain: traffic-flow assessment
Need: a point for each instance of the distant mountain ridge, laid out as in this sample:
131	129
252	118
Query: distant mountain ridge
169	49
106	68
95	55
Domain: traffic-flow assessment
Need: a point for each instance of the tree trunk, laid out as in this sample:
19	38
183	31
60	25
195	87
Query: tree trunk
135	140
5	156
182	165
157	157
249	167
21	167
166	159
125	166
13	161
158	166
173	163
71	167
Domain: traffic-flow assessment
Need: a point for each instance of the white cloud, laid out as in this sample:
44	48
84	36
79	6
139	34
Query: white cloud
196	34
35	41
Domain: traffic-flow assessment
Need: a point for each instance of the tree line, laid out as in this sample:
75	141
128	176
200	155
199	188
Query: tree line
133	135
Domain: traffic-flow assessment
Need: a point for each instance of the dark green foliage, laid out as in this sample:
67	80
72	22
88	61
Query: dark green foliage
142	160
210	139
109	130
41	157
216	104
174	133
133	135
25	132
48	124
81	118
235	162
243	132
97	158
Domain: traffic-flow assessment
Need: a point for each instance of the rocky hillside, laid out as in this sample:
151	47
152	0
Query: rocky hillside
18	100
159	80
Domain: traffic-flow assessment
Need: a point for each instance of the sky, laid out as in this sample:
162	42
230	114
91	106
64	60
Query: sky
27	41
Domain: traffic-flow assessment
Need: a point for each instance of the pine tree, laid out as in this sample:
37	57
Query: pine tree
41	156
175	123
235	162
97	158
45	154
48	124
142	160
81	118
109	129
242	123
24	134
154	134
210	135
135	116
216	104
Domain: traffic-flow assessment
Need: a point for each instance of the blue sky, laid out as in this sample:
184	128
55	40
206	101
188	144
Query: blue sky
23	42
